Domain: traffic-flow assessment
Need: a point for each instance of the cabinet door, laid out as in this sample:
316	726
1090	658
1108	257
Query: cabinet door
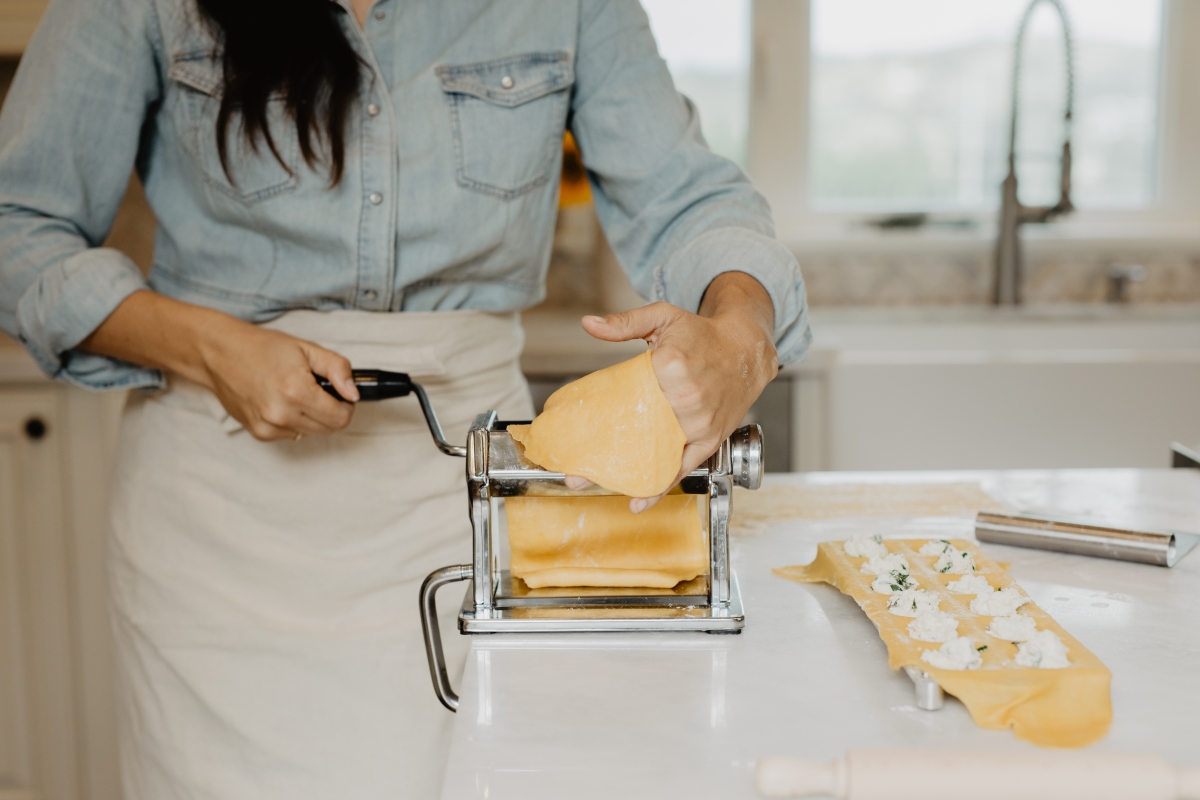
38	751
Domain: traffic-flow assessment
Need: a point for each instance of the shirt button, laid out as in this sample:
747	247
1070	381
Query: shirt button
376	198
381	15
370	294
506	82
372	109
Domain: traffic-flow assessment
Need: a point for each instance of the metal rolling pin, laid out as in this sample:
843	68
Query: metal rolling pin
1085	538
951	775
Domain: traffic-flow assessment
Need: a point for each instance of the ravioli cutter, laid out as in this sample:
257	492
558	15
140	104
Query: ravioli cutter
495	602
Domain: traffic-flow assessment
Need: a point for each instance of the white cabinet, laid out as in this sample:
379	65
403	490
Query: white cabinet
57	738
983	388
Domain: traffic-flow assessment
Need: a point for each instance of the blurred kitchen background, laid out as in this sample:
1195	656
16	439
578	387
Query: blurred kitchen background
878	129
879	132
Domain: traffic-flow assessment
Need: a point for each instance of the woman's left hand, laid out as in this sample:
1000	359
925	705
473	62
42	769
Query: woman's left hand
711	366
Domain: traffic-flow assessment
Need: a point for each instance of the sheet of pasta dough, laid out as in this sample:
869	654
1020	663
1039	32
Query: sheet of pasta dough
1068	707
597	541
613	427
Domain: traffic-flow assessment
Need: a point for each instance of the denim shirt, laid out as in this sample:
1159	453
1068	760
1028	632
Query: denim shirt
453	151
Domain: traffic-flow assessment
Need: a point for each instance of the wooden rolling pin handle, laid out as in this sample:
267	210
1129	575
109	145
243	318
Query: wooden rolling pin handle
790	777
952	775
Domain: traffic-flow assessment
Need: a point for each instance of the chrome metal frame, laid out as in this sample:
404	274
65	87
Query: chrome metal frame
496	468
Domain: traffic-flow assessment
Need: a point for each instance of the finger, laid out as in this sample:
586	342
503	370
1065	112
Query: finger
305	407
308	424
639	504
333	367
288	415
694	455
637	323
576	483
266	432
315	403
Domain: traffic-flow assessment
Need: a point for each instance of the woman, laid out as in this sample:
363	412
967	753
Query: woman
335	184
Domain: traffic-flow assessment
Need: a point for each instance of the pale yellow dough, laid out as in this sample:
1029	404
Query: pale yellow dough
597	541
1068	707
613	427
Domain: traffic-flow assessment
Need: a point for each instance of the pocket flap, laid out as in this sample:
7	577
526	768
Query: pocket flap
510	81
199	70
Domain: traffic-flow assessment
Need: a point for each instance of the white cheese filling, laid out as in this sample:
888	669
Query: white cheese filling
1001	603
933	626
959	653
955	562
866	547
892	562
970	584
1044	650
1013	628
897	580
935	548
911	602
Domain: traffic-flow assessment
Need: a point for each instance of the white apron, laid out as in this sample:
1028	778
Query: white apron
264	595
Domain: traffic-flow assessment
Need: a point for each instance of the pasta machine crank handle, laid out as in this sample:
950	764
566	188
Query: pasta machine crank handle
433	634
378	384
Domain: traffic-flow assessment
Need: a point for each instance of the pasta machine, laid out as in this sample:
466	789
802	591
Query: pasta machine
495	602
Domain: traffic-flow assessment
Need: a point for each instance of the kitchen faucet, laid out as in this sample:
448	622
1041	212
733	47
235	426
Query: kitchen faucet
1006	286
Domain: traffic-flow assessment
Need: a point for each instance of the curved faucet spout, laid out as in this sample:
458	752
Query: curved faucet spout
1007	276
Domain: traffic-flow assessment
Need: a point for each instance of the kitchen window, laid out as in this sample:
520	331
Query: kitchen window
910	103
848	111
706	44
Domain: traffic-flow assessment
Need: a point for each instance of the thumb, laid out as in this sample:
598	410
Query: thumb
636	323
335	368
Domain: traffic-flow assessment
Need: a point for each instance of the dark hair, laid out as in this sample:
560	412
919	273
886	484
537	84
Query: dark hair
295	48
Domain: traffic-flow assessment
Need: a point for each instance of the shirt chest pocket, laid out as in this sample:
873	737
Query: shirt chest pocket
254	173
508	118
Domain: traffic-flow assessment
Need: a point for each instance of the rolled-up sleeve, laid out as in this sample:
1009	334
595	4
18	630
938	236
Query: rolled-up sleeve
676	214
69	137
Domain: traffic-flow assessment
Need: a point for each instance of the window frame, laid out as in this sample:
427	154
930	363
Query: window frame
778	151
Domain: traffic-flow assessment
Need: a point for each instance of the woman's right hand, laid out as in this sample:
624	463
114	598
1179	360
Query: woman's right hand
263	378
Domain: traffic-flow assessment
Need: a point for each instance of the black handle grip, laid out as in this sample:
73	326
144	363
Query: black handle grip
373	384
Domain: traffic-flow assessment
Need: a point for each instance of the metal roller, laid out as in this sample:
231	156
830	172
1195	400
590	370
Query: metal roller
1084	538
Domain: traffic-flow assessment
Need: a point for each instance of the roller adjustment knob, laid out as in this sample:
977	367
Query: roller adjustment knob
746	456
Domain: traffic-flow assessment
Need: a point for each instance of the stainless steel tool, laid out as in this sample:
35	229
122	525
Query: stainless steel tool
495	602
1085	538
928	694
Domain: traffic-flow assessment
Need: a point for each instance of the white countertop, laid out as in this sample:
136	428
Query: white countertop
687	715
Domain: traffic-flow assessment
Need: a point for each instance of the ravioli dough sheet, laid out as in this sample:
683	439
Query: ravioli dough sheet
614	427
597	541
1068	707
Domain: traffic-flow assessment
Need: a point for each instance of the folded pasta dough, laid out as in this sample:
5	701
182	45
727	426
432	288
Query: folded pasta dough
597	541
1068	707
613	427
